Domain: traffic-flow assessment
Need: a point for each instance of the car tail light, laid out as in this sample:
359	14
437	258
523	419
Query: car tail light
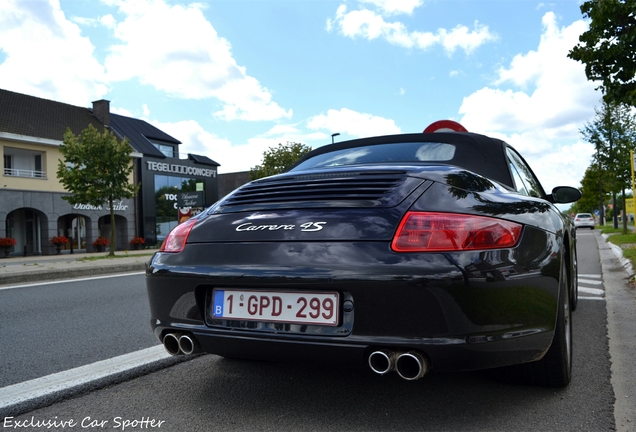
176	240
437	232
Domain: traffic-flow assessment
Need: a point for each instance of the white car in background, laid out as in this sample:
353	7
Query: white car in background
584	220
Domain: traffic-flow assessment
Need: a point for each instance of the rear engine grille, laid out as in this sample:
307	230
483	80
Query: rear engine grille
357	189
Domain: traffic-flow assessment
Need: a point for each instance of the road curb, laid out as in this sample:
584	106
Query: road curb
65	273
54	388
620	301
618	252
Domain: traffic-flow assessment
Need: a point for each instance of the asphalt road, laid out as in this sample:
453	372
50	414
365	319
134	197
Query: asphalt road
212	393
55	327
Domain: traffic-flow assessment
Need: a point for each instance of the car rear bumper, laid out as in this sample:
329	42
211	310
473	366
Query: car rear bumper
463	311
443	355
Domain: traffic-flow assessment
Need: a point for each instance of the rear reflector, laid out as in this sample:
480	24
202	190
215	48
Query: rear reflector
176	240
443	232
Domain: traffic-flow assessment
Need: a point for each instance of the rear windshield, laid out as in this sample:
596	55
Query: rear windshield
382	153
584	215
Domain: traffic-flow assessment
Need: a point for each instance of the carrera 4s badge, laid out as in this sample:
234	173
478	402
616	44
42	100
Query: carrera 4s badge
307	227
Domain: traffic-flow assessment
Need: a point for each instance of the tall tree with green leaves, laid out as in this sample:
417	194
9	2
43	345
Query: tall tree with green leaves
279	159
607	48
613	134
593	188
96	170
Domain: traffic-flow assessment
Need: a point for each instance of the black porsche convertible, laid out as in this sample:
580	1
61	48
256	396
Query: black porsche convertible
401	253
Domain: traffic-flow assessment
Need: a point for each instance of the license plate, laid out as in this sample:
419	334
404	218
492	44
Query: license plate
289	307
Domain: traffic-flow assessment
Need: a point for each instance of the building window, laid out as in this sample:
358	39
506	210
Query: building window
166	190
167	150
23	163
7	164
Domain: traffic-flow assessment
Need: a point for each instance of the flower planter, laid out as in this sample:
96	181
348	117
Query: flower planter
101	244
137	243
59	242
7	243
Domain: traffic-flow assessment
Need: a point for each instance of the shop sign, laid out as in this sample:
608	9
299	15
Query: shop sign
190	199
117	206
180	169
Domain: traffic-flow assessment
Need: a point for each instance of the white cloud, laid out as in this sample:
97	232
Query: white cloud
177	51
108	21
282	129
171	48
547	102
353	123
233	157
196	140
372	25
36	35
122	111
392	7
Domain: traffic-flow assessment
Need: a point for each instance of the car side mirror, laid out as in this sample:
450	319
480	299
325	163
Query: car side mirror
564	195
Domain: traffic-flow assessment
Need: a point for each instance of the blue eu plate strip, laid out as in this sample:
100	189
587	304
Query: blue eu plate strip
217	309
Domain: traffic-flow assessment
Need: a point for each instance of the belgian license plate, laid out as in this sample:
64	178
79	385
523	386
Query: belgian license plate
318	308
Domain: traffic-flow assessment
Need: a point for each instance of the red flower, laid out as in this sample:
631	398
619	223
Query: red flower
137	240
59	240
7	242
101	241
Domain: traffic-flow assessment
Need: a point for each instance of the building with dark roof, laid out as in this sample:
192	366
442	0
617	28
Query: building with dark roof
164	174
33	211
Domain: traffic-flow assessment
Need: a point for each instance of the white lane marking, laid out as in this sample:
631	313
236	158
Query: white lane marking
591	282
67	379
591	279
64	281
595	291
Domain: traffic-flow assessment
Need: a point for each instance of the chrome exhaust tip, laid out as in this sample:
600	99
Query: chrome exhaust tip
171	343
188	344
382	361
411	365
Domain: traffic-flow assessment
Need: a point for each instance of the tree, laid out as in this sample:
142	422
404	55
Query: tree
608	48
613	132
95	171
592	191
279	159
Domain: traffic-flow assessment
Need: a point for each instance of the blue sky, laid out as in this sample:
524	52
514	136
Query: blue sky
231	78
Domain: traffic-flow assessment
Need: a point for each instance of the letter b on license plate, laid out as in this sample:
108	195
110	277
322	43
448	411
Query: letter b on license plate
317	308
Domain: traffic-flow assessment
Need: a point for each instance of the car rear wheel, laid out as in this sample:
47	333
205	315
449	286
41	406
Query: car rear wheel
555	368
574	283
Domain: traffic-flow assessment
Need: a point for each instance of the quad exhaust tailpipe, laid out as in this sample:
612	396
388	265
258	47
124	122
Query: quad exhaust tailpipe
171	343
382	361
188	344
410	365
180	343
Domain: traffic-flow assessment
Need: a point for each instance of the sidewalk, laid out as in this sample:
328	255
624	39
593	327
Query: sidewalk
15	270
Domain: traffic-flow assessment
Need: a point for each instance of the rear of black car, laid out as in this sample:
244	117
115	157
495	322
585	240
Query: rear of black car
347	264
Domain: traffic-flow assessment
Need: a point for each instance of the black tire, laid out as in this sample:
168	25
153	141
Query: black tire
574	285
555	368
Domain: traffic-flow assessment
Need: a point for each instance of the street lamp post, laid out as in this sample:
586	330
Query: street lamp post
333	136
